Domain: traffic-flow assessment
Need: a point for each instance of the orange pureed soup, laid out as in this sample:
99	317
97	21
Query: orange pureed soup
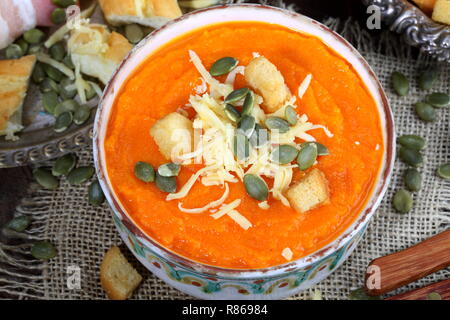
336	98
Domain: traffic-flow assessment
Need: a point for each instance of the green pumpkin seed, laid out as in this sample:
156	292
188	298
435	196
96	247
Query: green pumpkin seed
166	184
19	224
58	16
425	111
427	78
68	105
259	137
14	51
444	171
360	294
36	48
256	187
249	102
68	62
45	178
67	89
23	45
144	171
53	73
64	165
412	141
134	33
434	296
82	114
241	146
90	93
80	175
58	51
400	83
403	201
231	112
307	156
284	154
34	36
48	85
223	66
410	156
63	121
63	3
50	101
276	123
43	250
95	194
291	115
438	99
247	125
237	95
38	73
322	150
169	170
413	179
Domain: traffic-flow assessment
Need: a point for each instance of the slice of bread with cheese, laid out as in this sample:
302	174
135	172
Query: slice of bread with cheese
441	12
14	79
152	13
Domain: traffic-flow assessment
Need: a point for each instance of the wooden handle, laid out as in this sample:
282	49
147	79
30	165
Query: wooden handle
441	287
393	271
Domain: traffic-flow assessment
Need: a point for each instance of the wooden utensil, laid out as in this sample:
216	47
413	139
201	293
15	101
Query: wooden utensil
441	287
395	270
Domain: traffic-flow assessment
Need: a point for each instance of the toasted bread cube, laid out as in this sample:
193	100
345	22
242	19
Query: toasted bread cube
426	5
264	77
173	134
310	192
117	276
441	12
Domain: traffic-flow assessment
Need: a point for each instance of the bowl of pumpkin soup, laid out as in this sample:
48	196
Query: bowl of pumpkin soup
243	150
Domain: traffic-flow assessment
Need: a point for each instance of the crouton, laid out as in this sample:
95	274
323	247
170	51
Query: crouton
117	276
264	77
425	5
310	192
173	134
441	12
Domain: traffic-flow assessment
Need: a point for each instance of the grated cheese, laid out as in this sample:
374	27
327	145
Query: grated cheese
239	219
264	205
210	205
287	254
226	208
44	58
304	85
232	75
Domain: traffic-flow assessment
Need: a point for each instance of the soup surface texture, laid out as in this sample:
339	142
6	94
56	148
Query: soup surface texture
336	98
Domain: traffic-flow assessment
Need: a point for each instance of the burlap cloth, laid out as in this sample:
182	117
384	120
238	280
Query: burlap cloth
83	233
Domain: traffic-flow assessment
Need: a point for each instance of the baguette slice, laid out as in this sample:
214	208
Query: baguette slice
425	5
441	12
117	275
14	79
152	13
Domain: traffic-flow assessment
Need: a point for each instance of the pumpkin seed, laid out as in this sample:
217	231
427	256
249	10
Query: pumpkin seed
34	36
81	114
247	125
23	45
402	201
63	3
95	194
166	184
58	16
259	137
410	156
68	62
231	112
48	85
36	48
425	112
38	73
276	123
256	187
43	250
50	101
434	296
438	99
64	165
413	179
236	95
284	154
248	103
58	51
45	178
14	51
444	171
63	121
68	105
360	294
144	171
400	83
169	170
307	156
322	150
53	73
241	146
427	78
223	66
19	224
134	33
67	89
80	175
412	141
90	93
291	115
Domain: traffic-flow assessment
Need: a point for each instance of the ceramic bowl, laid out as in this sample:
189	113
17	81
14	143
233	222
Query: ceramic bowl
209	282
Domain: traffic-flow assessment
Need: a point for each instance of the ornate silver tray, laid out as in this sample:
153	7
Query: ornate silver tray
417	28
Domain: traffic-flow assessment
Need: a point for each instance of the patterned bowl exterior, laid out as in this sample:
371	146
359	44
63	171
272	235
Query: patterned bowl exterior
417	28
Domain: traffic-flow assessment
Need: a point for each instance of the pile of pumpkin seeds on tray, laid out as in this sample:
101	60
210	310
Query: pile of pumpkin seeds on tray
411	145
